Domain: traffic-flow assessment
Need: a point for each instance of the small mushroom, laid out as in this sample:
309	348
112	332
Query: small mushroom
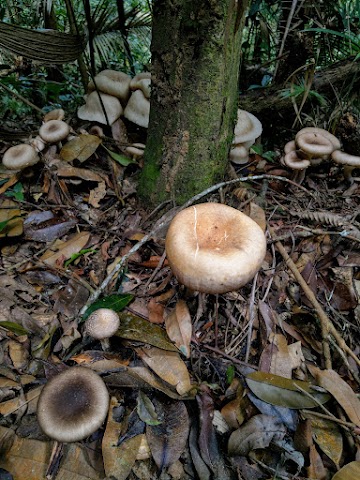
214	248
136	151
113	83
53	131
73	405
137	109
93	112
56	114
20	156
349	162
101	325
142	81
247	129
320	131
314	147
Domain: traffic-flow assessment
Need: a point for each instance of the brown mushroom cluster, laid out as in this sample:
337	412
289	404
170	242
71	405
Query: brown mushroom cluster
119	95
312	146
53	131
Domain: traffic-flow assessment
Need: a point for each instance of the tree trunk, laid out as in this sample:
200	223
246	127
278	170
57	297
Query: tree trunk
195	62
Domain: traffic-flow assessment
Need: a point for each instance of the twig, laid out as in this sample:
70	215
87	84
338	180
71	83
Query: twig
327	326
119	266
251	317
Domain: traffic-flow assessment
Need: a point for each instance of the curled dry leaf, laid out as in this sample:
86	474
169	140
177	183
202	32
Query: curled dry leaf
62	251
45	227
258	432
168	366
179	327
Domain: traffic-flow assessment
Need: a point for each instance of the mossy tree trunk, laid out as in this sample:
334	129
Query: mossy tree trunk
195	64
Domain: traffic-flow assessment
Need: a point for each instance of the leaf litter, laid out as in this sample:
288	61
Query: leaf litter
77	239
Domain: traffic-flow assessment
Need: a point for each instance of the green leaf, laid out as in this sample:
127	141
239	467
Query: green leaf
136	328
118	157
146	410
79	254
14	327
284	392
230	374
16	192
116	302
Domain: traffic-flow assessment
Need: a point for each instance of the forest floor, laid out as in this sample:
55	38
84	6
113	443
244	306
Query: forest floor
262	382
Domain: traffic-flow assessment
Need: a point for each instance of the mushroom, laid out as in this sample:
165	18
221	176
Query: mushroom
142	82
20	156
113	83
101	325
136	151
56	114
73	405
214	248
247	129
53	131
93	110
349	162
320	131
137	109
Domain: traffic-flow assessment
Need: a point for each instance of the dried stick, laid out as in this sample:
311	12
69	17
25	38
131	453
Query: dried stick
327	326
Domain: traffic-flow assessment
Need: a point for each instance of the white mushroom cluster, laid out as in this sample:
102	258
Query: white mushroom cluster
52	131
247	129
119	95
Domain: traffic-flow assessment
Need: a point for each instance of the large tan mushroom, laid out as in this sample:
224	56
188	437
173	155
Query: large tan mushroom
138	109
113	83
214	248
93	111
247	129
20	156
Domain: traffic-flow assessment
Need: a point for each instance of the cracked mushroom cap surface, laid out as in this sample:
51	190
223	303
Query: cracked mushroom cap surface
102	323
53	131
113	83
73	405
93	112
214	248
20	156
247	129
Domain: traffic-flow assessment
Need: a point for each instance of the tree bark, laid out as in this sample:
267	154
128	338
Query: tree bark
195	63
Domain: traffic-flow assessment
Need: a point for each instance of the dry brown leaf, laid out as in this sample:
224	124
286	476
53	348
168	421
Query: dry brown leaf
83	173
179	327
156	311
340	390
29	400
284	358
28	459
61	251
8	211
118	460
97	194
168	366
81	147
316	468
256	213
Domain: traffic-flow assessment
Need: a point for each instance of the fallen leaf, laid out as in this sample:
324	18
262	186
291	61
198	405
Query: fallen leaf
11	223
179	327
256	213
97	194
62	251
168	439
81	147
146	410
168	366
328	437
340	390
351	471
284	392
258	432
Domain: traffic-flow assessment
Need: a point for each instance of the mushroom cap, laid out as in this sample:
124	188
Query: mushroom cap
20	156
239	154
313	144
137	109
56	114
214	248
102	323
54	131
73	405
292	160
113	83
93	112
320	131
143	84
290	146
135	152
247	128
344	158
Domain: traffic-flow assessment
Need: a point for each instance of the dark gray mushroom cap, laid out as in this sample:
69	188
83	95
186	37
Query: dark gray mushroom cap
73	405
